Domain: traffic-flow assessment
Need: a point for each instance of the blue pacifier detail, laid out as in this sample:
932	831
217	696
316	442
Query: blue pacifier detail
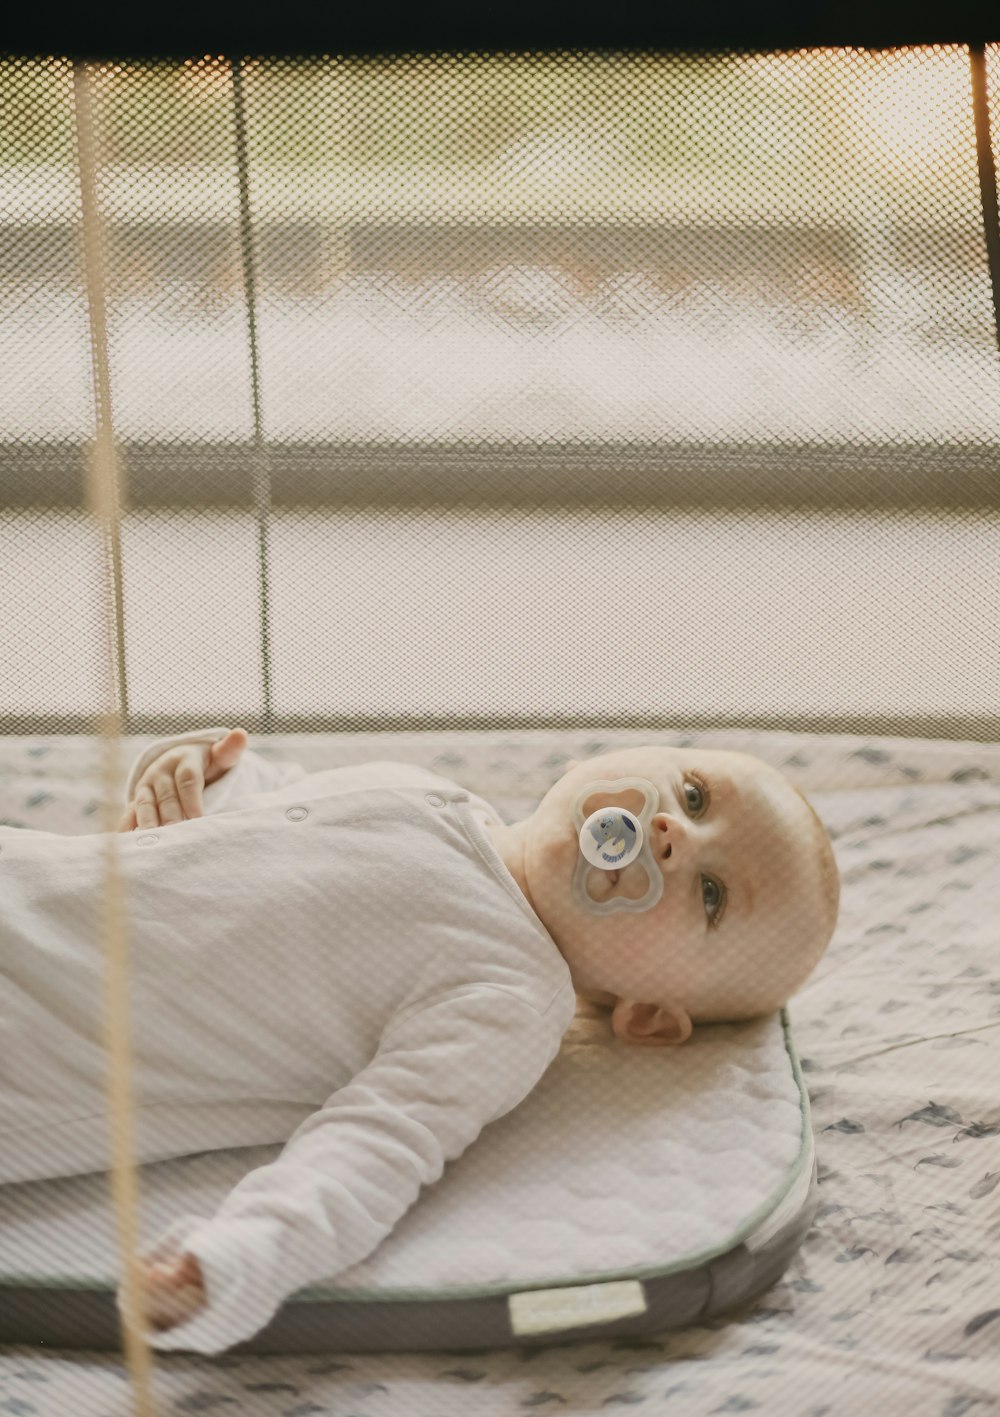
611	839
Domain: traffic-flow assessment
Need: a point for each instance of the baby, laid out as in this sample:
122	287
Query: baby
479	940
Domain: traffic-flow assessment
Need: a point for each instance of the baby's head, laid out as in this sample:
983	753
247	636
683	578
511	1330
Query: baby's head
749	900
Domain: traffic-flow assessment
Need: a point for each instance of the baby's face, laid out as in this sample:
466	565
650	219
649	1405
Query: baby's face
741	920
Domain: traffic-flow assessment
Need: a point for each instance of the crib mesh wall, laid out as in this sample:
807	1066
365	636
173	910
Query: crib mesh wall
471	391
497	391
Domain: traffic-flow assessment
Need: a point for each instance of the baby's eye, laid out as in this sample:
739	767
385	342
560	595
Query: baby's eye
711	895
699	796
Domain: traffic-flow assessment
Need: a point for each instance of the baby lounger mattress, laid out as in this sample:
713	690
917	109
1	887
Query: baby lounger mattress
634	1190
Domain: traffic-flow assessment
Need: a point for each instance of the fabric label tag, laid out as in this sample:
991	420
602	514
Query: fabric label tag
545	1310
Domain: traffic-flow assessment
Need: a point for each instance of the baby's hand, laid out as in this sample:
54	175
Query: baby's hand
170	789
170	1292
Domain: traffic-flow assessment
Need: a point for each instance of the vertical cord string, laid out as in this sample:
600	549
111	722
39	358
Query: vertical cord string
987	173
260	466
103	502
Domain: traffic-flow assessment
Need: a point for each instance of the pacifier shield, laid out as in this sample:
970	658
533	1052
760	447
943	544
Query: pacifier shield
611	838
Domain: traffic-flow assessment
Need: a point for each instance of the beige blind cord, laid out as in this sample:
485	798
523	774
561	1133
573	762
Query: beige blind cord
103	502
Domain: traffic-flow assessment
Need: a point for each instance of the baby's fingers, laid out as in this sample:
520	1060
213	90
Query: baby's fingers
169	796
169	1292
190	784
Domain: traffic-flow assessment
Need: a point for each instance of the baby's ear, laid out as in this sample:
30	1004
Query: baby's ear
650	1025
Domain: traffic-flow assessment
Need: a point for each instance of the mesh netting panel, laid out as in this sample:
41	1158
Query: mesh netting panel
480	390
579	393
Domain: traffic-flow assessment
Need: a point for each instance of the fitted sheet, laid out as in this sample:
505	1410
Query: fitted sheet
898	1036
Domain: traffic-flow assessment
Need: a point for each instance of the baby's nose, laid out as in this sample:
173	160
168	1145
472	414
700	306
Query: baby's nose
668	836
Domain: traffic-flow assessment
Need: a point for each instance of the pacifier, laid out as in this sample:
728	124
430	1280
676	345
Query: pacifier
612	838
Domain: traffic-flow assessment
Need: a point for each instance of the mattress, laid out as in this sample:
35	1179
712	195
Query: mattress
554	1242
631	1191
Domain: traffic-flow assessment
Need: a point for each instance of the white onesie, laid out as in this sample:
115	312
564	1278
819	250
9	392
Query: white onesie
337	960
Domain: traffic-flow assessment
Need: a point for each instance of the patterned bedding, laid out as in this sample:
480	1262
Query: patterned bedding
893	1303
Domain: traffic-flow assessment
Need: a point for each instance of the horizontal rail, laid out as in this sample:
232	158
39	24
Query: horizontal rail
301	32
972	728
862	477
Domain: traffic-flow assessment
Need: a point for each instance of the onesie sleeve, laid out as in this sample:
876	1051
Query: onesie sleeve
442	1072
250	775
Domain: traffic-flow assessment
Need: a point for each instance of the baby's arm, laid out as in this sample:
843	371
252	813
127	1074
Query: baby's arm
172	786
353	1168
249	775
